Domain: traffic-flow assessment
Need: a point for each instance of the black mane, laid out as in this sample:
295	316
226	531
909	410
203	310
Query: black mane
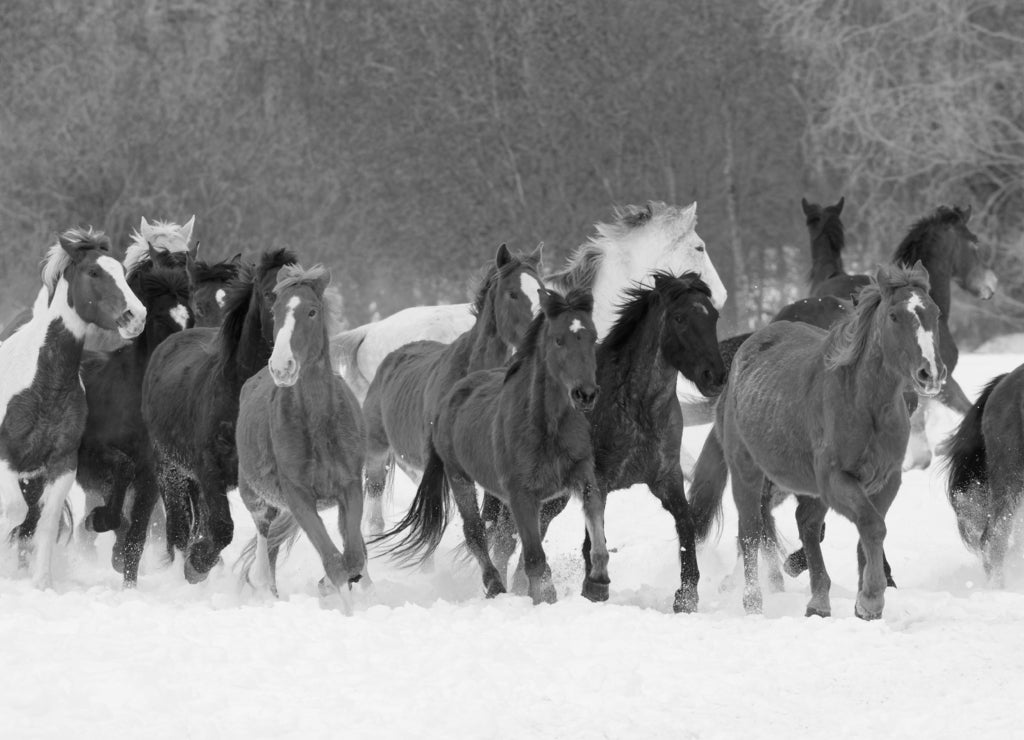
915	244
639	300
204	272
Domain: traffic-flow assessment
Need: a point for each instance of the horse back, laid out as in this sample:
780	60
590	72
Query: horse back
841	286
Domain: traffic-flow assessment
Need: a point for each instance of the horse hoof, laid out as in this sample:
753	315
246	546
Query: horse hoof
495	588
101	519
815	612
544	594
866	614
117	561
795	564
685	601
752	603
594	590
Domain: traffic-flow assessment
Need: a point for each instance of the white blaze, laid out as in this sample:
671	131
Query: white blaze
132	302
530	285
180	315
282	353
924	338
221	295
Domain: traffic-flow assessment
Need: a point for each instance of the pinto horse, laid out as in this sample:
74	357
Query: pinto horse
523	435
640	240
190	407
636	425
115	454
822	414
208	287
402	399
300	441
42	402
986	467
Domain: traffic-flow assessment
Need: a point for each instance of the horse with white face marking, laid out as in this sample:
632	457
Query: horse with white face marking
42	401
300	441
402	400
208	284
625	252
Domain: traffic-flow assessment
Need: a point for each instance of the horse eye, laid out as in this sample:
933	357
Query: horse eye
700	248
559	341
93	272
893	316
513	295
312	312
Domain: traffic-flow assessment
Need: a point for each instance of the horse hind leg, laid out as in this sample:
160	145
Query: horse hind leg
380	466
746	491
259	573
769	536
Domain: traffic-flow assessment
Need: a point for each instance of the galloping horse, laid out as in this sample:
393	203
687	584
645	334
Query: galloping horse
300	440
822	414
636	425
401	402
42	402
208	287
523	435
640	240
116	453
986	467
190	406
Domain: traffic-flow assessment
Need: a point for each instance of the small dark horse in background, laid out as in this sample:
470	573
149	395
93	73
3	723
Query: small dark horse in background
822	414
636	426
190	406
208	283
115	453
401	402
523	435
986	471
300	441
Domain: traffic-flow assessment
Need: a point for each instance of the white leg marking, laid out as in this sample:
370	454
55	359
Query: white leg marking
52	501
530	285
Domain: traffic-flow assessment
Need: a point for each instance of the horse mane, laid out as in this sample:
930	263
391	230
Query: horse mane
491	275
138	250
238	294
848	339
294	275
204	272
57	259
164	280
576	299
914	245
639	299
585	261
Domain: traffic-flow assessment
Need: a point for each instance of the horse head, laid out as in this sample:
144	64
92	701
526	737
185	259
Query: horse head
568	338
823	224
97	289
165	294
909	321
208	287
689	335
300	333
969	266
509	294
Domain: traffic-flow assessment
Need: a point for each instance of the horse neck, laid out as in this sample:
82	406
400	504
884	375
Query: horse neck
253	350
635	375
873	384
483	348
936	259
826	259
63	349
548	401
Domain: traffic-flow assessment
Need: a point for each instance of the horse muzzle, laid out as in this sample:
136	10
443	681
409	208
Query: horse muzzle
284	373
583	397
928	385
131	323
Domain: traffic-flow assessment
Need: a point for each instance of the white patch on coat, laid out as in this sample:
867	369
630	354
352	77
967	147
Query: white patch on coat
531	287
282	354
925	339
221	295
180	315
576	326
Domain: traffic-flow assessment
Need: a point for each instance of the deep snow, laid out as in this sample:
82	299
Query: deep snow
424	653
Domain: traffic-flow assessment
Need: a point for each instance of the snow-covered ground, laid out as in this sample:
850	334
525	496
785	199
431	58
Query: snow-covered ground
424	654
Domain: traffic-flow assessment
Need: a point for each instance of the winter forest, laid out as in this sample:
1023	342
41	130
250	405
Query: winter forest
400	142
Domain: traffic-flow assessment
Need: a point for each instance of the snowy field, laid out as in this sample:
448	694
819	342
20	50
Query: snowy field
424	655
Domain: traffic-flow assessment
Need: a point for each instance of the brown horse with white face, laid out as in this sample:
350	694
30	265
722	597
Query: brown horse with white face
822	415
42	402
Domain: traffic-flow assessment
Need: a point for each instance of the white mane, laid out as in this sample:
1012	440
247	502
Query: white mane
163	235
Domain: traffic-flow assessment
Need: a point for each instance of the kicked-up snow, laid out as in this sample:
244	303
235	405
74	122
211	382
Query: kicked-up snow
423	654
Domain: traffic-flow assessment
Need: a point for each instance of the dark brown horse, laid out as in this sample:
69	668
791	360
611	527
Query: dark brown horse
523	435
208	283
822	414
300	441
827	241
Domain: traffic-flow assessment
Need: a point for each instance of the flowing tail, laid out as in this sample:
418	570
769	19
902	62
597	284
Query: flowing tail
344	353
427	519
708	487
284	531
968	490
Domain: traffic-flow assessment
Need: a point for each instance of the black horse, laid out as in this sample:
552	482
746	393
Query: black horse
636	425
115	453
827	242
190	406
208	284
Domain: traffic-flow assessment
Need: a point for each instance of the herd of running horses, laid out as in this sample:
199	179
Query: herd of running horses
166	379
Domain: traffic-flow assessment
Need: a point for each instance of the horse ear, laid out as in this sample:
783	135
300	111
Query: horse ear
145	229
548	300
537	255
503	257
921	270
806	206
186	230
321	283
839	205
237	259
154	254
71	247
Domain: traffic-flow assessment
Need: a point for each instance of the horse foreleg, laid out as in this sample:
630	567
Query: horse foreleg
548	511
501	532
810	517
669	490
595	584
919	452
526	514
142	504
870	523
350	517
746	492
464	493
12	500
54	495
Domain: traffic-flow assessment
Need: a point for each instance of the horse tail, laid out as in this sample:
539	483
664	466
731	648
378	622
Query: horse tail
968	488
708	487
284	531
344	353
427	519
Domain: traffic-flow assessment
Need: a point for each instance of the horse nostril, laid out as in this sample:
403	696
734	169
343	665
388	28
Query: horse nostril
127	316
923	375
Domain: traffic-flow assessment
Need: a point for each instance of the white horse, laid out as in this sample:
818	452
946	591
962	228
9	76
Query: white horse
618	255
